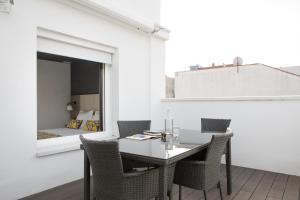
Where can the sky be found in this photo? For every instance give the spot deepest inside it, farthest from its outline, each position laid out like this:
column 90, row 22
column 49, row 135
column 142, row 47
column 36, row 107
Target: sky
column 215, row 31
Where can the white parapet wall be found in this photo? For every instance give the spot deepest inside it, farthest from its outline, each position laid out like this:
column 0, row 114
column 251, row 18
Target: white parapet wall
column 266, row 132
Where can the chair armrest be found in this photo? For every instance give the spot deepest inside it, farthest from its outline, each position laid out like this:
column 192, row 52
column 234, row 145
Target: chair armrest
column 194, row 162
column 133, row 174
column 138, row 173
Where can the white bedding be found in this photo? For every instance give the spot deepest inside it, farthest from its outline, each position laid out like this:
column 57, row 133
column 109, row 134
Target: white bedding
column 65, row 131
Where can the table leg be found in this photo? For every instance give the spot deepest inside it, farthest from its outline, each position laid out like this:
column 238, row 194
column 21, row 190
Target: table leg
column 163, row 182
column 228, row 167
column 87, row 176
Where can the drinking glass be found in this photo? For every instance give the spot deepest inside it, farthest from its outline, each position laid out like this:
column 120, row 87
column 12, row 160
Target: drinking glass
column 176, row 132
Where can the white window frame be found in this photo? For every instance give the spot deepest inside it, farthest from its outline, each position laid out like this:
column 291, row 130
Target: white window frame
column 110, row 111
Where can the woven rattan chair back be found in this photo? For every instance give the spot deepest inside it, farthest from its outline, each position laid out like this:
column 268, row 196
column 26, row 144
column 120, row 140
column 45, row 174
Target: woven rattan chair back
column 127, row 128
column 213, row 160
column 106, row 166
column 214, row 125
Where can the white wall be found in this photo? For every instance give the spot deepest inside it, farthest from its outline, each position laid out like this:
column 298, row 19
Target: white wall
column 292, row 69
column 246, row 80
column 21, row 172
column 149, row 10
column 266, row 133
column 53, row 94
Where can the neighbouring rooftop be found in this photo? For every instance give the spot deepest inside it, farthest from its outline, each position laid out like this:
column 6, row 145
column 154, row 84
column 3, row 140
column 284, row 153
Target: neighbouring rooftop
column 237, row 81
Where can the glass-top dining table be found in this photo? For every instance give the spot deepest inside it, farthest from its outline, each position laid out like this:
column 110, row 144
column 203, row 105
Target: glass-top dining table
column 163, row 154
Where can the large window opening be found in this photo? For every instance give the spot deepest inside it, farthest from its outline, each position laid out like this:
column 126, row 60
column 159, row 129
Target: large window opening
column 70, row 93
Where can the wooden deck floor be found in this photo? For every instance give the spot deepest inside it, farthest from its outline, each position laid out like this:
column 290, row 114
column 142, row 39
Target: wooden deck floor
column 248, row 184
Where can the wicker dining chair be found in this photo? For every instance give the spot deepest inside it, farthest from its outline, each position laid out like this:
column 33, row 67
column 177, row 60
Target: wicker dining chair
column 203, row 174
column 214, row 125
column 127, row 128
column 110, row 182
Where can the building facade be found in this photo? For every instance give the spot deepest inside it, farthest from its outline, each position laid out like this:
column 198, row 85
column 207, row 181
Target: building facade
column 236, row 81
column 121, row 32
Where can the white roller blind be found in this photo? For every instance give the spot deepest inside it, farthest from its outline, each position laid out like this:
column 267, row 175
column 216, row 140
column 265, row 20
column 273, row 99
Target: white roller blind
column 73, row 50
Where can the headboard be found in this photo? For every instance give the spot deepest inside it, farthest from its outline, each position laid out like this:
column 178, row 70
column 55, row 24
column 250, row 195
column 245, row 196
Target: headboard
column 85, row 102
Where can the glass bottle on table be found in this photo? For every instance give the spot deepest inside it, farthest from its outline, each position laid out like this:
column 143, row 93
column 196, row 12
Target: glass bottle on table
column 168, row 126
column 168, row 122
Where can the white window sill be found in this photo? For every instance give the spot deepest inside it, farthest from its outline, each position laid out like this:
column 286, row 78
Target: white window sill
column 237, row 98
column 65, row 144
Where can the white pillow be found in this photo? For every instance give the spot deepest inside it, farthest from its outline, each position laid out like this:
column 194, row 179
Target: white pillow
column 84, row 116
column 96, row 116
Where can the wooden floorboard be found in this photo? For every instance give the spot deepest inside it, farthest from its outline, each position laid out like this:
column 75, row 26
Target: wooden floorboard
column 263, row 187
column 278, row 187
column 292, row 188
column 214, row 193
column 240, row 182
column 249, row 187
column 248, row 184
column 237, row 172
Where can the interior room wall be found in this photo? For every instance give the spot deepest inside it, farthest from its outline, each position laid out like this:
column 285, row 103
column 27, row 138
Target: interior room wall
column 85, row 77
column 53, row 94
column 86, row 81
